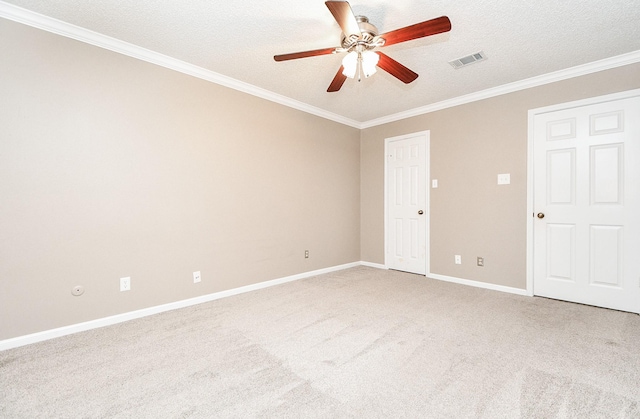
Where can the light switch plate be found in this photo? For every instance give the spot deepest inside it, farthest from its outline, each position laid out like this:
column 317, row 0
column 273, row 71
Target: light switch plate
column 504, row 179
column 197, row 277
column 434, row 183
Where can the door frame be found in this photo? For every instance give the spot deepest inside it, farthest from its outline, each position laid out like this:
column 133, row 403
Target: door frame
column 530, row 164
column 427, row 173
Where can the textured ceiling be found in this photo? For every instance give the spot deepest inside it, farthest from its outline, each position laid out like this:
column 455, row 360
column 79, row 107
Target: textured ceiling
column 522, row 39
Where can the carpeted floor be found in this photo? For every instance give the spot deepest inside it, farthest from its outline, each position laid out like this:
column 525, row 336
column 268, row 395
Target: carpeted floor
column 361, row 342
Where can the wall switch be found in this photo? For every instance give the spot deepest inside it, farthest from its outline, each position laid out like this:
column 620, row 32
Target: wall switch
column 196, row 277
column 480, row 261
column 125, row 283
column 434, row 183
column 504, row 179
column 458, row 260
column 306, row 254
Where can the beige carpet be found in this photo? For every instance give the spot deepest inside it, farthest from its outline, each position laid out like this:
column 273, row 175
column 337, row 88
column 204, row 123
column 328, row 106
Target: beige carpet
column 361, row 343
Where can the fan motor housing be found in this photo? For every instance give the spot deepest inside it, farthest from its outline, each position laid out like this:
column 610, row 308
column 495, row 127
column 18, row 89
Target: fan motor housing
column 369, row 32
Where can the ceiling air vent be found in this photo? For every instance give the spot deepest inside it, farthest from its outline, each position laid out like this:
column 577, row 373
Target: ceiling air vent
column 468, row 60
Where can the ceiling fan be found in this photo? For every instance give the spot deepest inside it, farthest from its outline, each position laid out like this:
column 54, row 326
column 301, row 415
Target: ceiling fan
column 360, row 38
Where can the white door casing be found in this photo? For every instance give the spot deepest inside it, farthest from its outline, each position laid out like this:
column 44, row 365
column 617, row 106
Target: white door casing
column 586, row 186
column 406, row 203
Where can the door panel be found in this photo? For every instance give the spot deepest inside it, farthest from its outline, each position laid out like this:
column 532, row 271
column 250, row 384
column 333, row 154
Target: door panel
column 561, row 176
column 561, row 245
column 606, row 255
column 587, row 204
column 607, row 176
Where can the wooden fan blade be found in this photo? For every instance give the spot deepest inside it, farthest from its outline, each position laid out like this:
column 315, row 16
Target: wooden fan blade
column 304, row 54
column 419, row 30
column 396, row 69
column 343, row 14
column 337, row 81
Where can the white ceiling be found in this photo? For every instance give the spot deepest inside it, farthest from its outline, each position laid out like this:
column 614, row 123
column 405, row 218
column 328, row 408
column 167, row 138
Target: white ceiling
column 522, row 39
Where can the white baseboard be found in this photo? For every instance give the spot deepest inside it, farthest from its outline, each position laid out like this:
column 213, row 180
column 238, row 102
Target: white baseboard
column 120, row 318
column 373, row 265
column 461, row 281
column 478, row 284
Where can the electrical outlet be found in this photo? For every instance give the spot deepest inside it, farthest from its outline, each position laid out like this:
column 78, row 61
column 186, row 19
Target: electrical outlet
column 196, row 277
column 504, row 179
column 458, row 260
column 480, row 261
column 306, row 254
column 125, row 283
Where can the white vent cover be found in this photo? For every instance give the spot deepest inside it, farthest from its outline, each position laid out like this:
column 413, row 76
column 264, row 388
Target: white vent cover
column 468, row 60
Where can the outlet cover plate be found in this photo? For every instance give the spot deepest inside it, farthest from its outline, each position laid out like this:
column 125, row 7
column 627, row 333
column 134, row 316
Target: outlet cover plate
column 504, row 179
column 125, row 283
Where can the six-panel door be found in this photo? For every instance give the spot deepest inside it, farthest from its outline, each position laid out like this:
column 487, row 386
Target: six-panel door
column 587, row 204
column 406, row 204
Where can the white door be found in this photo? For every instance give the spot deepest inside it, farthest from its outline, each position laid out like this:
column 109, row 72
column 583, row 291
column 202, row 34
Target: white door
column 406, row 203
column 587, row 204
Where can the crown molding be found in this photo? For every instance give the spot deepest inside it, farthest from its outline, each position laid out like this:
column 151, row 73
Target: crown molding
column 49, row 24
column 581, row 70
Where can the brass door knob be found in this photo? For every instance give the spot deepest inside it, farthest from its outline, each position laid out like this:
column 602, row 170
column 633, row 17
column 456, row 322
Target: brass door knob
column 540, row 215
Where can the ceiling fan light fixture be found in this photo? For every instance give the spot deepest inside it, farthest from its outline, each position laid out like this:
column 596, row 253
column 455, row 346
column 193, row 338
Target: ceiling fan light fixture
column 369, row 63
column 360, row 64
column 350, row 64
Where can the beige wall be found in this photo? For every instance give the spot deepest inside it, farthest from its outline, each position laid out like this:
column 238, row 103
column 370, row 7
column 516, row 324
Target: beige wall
column 470, row 145
column 112, row 167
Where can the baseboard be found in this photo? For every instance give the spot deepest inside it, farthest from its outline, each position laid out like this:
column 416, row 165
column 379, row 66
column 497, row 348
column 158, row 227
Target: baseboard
column 120, row 318
column 373, row 265
column 461, row 281
column 479, row 284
